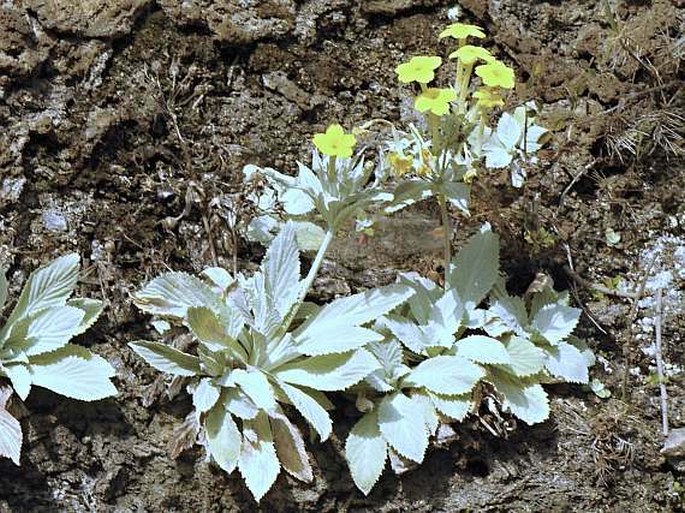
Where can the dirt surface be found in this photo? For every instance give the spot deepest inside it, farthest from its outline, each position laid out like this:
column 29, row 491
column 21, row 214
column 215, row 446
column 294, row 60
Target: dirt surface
column 119, row 116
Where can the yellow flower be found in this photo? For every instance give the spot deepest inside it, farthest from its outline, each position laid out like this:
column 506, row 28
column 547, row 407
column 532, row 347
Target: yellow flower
column 496, row 74
column 418, row 69
column 435, row 100
column 468, row 54
column 335, row 142
column 423, row 171
column 462, row 31
column 400, row 163
column 425, row 167
column 470, row 175
column 488, row 98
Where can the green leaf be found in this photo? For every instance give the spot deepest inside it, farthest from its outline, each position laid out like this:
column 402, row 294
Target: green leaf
column 408, row 192
column 51, row 329
column 240, row 405
column 279, row 351
column 366, row 452
column 323, row 333
column 257, row 387
column 528, row 402
column 10, row 430
column 308, row 235
column 526, row 358
column 482, row 349
column 167, row 359
column 309, row 408
column 389, row 355
column 258, row 462
column 47, row 287
column 75, row 372
column 206, row 326
column 407, row 332
column 92, row 309
column 290, row 448
column 448, row 312
column 402, row 427
column 446, row 375
column 281, row 268
column 341, row 339
column 453, row 406
column 223, row 438
column 426, row 293
column 477, row 265
column 20, row 377
column 171, row 294
column 568, row 363
column 507, row 314
column 329, row 372
column 458, row 195
column 205, row 395
column 556, row 322
column 424, row 406
column 219, row 277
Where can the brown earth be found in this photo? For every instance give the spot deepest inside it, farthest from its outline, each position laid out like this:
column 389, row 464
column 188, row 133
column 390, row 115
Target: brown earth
column 119, row 116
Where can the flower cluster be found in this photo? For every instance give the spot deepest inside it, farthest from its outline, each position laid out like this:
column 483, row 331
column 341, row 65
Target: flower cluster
column 494, row 75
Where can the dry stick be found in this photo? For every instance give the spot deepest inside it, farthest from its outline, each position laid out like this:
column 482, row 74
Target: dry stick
column 571, row 272
column 660, row 365
column 596, row 286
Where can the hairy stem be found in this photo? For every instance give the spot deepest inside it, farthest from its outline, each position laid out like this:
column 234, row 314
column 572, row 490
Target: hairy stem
column 447, row 236
column 309, row 279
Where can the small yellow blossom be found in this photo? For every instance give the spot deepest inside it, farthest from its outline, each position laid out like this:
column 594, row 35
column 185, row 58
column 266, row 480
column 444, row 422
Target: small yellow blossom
column 496, row 74
column 335, row 142
column 418, row 69
column 468, row 54
column 488, row 98
column 435, row 100
column 400, row 163
column 470, row 175
column 462, row 31
column 423, row 170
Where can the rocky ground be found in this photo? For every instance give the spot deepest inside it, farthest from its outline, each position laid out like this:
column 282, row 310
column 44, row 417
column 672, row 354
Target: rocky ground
column 123, row 123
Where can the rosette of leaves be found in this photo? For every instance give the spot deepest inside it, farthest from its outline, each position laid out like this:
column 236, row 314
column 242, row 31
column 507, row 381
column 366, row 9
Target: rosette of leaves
column 35, row 349
column 248, row 362
column 443, row 343
column 337, row 189
column 516, row 139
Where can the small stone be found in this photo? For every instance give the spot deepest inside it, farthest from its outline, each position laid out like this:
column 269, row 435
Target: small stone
column 674, row 445
column 54, row 221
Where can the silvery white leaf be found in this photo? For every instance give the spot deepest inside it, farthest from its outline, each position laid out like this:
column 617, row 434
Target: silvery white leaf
column 281, row 269
column 10, row 430
column 366, row 452
column 47, row 287
column 290, row 447
column 258, row 462
column 223, row 438
column 476, row 268
column 402, row 427
column 329, row 372
column 167, row 359
column 75, row 372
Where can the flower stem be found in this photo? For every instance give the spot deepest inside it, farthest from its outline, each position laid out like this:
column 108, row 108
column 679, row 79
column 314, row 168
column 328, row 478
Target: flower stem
column 447, row 236
column 309, row 279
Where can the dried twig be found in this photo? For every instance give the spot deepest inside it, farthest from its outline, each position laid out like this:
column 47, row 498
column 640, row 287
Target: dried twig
column 660, row 364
